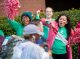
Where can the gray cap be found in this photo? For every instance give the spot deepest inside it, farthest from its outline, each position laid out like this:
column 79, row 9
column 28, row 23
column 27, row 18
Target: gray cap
column 32, row 29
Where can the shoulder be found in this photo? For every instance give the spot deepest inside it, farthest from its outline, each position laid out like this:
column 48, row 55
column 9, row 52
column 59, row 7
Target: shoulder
column 54, row 23
column 43, row 19
column 53, row 19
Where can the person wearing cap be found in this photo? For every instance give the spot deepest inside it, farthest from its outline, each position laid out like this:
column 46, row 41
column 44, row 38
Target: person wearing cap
column 27, row 48
column 26, row 18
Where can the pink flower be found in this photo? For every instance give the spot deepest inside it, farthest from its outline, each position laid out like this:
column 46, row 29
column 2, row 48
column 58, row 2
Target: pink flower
column 11, row 8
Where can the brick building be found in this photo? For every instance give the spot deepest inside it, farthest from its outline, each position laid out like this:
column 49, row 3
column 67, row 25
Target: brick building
column 26, row 5
column 33, row 5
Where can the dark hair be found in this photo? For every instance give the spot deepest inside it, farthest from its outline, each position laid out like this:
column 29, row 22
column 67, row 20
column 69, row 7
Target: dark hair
column 26, row 37
column 68, row 25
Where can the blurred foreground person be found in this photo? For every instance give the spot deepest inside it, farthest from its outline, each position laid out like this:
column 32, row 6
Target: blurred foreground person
column 26, row 48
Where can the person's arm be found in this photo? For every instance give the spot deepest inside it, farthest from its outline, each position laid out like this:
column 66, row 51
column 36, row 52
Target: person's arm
column 37, row 14
column 52, row 24
column 14, row 24
column 1, row 33
column 44, row 22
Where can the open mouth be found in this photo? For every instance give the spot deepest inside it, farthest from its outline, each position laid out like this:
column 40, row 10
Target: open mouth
column 61, row 23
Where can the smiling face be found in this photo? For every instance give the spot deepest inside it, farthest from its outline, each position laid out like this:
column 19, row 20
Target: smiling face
column 49, row 12
column 62, row 21
column 25, row 20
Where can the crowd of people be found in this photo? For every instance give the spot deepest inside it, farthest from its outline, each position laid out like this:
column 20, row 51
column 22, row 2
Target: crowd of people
column 42, row 38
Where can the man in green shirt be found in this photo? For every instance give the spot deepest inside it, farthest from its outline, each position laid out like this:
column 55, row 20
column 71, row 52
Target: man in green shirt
column 26, row 18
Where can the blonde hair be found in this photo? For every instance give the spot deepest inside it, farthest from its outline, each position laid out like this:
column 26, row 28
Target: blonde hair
column 50, row 8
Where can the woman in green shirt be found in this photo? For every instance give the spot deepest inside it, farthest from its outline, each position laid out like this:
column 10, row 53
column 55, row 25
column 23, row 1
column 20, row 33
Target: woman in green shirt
column 61, row 39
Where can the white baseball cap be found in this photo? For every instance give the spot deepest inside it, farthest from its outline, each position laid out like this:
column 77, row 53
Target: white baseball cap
column 31, row 29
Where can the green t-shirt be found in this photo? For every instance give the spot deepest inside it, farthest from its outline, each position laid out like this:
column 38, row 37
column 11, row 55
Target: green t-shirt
column 17, row 27
column 59, row 47
column 1, row 33
column 45, row 30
